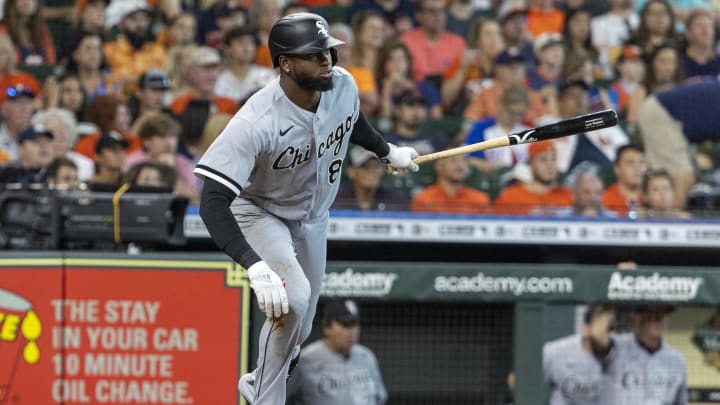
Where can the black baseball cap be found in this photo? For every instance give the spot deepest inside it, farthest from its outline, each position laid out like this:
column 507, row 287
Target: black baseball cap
column 569, row 84
column 654, row 307
column 154, row 79
column 344, row 311
column 410, row 98
column 508, row 57
column 110, row 142
column 34, row 133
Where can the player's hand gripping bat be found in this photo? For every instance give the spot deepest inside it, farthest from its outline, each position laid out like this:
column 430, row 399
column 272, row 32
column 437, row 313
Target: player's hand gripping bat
column 570, row 126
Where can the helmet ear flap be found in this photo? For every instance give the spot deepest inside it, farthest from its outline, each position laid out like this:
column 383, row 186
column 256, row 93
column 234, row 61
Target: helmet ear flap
column 333, row 56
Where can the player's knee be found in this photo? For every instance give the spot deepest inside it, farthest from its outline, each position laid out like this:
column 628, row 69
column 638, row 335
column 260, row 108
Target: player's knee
column 299, row 297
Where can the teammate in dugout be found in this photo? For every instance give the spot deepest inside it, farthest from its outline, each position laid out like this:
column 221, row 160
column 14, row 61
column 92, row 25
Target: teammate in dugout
column 270, row 179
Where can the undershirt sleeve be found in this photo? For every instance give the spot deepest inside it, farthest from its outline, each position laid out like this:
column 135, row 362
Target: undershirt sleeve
column 365, row 135
column 215, row 212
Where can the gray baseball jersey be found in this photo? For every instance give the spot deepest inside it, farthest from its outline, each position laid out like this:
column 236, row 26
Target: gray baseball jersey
column 575, row 376
column 285, row 159
column 325, row 377
column 638, row 377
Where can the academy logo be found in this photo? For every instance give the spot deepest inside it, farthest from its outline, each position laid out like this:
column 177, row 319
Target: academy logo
column 352, row 284
column 654, row 287
column 517, row 286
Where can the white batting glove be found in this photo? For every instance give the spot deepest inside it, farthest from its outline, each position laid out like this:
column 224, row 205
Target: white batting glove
column 269, row 290
column 401, row 158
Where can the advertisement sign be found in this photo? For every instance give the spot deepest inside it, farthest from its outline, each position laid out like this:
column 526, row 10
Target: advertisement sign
column 121, row 332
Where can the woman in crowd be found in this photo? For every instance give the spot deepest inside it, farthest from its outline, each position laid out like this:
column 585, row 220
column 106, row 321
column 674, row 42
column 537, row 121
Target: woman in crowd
column 29, row 32
column 87, row 62
column 9, row 75
column 577, row 36
column 663, row 69
column 369, row 35
column 657, row 26
column 112, row 118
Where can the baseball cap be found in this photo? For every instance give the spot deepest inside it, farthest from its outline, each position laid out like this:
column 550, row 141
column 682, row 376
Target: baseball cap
column 359, row 155
column 629, row 52
column 654, row 307
column 33, row 133
column 510, row 12
column 537, row 148
column 344, row 311
column 545, row 40
column 569, row 84
column 119, row 10
column 110, row 142
column 16, row 91
column 508, row 57
column 154, row 79
column 410, row 97
column 205, row 56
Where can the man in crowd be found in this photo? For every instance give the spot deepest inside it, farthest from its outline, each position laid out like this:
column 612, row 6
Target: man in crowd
column 409, row 116
column 16, row 106
column 625, row 195
column 34, row 156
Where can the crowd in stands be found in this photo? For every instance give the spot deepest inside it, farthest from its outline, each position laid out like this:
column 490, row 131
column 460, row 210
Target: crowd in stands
column 95, row 94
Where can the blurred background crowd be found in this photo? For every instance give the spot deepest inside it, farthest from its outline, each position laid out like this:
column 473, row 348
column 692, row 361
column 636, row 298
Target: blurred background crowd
column 95, row 94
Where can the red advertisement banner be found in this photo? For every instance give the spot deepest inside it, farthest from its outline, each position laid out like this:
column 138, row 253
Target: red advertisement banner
column 130, row 334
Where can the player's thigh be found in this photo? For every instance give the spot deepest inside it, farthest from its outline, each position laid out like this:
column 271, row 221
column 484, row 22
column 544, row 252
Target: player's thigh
column 310, row 241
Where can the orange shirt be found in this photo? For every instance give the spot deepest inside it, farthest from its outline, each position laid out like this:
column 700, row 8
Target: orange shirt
column 86, row 144
column 262, row 56
column 539, row 21
column 486, row 103
column 364, row 79
column 222, row 104
column 518, row 200
column 435, row 199
column 430, row 59
column 127, row 63
column 614, row 200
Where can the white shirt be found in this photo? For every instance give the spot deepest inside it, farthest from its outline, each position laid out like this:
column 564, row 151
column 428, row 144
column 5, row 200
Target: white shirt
column 85, row 165
column 8, row 143
column 230, row 86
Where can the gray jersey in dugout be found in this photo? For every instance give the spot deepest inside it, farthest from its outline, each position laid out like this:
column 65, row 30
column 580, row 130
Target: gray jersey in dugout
column 324, row 377
column 285, row 159
column 638, row 377
column 575, row 376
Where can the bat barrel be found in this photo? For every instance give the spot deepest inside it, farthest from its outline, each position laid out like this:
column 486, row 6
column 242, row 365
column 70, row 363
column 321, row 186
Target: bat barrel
column 570, row 126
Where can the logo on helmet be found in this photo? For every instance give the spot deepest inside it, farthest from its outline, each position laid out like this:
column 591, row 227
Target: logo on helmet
column 322, row 29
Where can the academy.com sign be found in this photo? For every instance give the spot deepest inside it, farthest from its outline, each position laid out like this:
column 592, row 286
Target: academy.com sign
column 480, row 283
column 355, row 284
column 623, row 286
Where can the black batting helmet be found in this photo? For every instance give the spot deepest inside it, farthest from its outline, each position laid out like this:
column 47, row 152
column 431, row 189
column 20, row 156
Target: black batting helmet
column 301, row 34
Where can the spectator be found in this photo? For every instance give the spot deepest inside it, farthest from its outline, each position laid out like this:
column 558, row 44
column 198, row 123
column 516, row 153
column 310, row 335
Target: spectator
column 409, row 116
column 150, row 176
column 149, row 98
column 681, row 9
column 578, row 36
column 9, row 75
column 264, row 14
column 364, row 78
column 399, row 14
column 62, row 124
column 109, row 159
column 512, row 26
column 641, row 367
column 34, row 156
column 159, row 134
column 365, row 190
column 368, row 30
column 134, row 51
column 542, row 192
column 509, row 72
column 181, row 30
column 671, row 121
column 112, row 117
column 625, row 194
column 31, row 36
column 432, row 47
column 657, row 26
column 543, row 17
column 395, row 77
column 471, row 70
column 16, row 111
column 587, row 189
column 64, row 91
column 628, row 86
column 213, row 127
column 581, row 68
column 62, row 174
column 573, row 365
column 178, row 65
column 550, row 55
column 700, row 58
column 597, row 146
column 613, row 29
column 220, row 17
column 86, row 61
column 91, row 19
column 337, row 369
column 241, row 77
column 657, row 197
column 663, row 70
column 460, row 16
column 292, row 8
column 450, row 194
column 514, row 104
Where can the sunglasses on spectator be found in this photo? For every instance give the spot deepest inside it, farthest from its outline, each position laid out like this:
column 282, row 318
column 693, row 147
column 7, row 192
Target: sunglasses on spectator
column 19, row 90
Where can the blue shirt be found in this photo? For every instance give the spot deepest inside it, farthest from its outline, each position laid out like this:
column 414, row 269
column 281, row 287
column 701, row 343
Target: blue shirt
column 696, row 107
column 477, row 134
column 691, row 68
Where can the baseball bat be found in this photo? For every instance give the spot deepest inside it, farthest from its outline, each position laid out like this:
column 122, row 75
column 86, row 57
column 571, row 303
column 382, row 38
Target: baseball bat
column 570, row 126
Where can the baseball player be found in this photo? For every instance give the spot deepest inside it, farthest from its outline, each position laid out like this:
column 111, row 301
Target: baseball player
column 270, row 178
column 642, row 369
column 573, row 365
column 337, row 369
